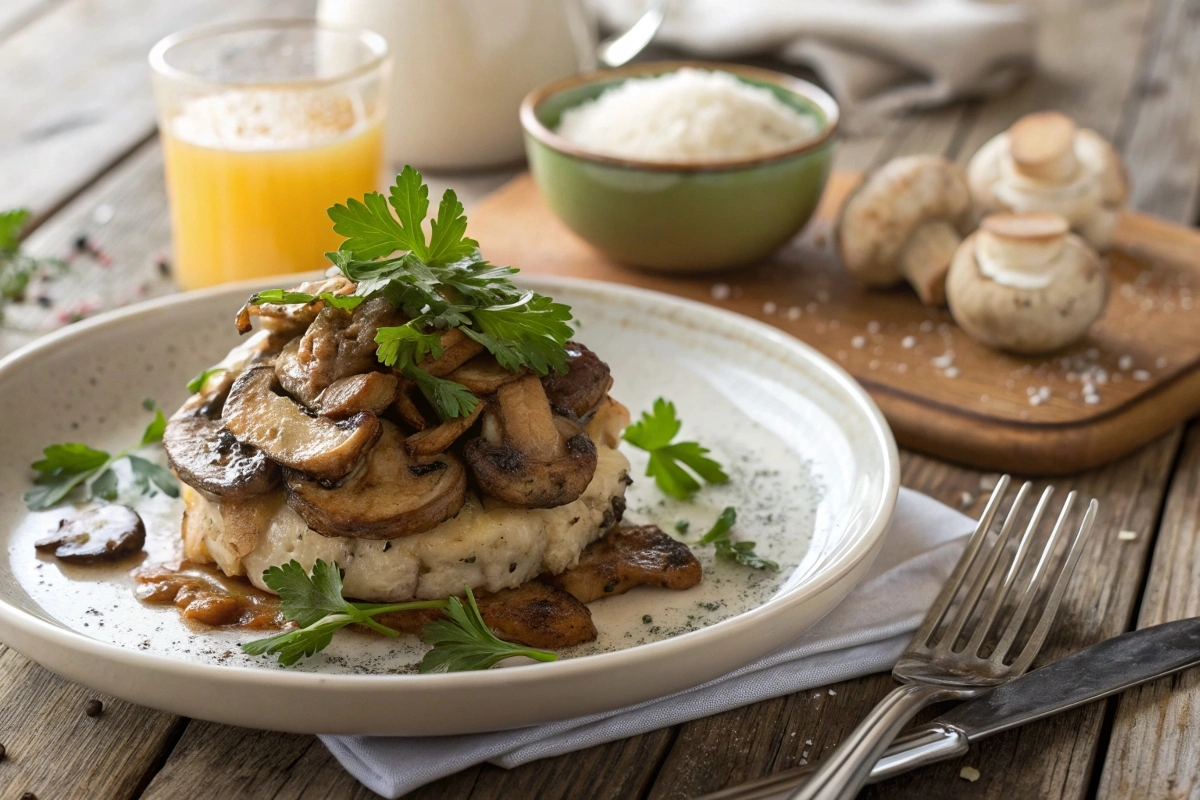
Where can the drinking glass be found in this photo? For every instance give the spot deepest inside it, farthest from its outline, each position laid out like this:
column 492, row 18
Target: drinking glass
column 265, row 125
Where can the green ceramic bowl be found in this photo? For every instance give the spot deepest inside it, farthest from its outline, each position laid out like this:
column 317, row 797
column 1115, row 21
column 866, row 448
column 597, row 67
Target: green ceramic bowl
column 691, row 217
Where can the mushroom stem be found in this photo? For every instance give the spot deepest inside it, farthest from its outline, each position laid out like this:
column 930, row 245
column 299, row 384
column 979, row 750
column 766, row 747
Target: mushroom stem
column 926, row 257
column 1043, row 147
column 527, row 419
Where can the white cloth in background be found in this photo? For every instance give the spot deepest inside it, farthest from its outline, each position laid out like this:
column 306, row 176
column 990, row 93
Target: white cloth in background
column 879, row 55
column 865, row 633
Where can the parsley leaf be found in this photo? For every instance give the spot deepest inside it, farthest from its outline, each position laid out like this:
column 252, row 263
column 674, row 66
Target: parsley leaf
column 741, row 552
column 197, row 383
column 17, row 268
column 653, row 433
column 65, row 467
column 347, row 302
column 315, row 603
column 440, row 283
column 464, row 642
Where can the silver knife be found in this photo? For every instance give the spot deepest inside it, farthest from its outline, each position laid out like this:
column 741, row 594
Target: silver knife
column 1092, row 673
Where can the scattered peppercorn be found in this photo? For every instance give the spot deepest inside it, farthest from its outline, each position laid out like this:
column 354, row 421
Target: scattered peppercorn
column 164, row 267
column 647, row 619
column 93, row 708
column 28, row 796
column 2, row 752
column 82, row 243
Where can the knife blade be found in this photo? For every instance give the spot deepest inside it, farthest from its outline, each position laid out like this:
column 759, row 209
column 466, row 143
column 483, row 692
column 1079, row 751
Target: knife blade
column 1095, row 672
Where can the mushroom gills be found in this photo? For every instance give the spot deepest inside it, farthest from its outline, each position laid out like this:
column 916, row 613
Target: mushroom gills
column 389, row 495
column 277, row 426
column 527, row 455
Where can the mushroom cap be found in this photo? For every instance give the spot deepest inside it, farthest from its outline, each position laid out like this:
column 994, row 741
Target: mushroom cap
column 890, row 204
column 389, row 495
column 1023, row 283
column 1043, row 163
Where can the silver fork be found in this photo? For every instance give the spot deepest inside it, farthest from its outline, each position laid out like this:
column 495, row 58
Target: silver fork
column 931, row 669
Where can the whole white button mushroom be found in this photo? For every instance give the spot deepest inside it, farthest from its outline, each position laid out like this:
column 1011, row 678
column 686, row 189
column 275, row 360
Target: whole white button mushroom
column 904, row 222
column 1026, row 284
column 1045, row 163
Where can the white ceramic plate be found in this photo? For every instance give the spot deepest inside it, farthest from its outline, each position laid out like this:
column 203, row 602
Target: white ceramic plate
column 814, row 477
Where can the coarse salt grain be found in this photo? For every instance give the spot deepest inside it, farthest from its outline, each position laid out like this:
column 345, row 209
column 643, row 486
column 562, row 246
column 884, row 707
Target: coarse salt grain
column 908, row 342
column 858, row 342
column 769, row 308
column 720, row 291
column 1125, row 362
column 969, row 774
column 1127, row 536
column 687, row 115
column 1141, row 375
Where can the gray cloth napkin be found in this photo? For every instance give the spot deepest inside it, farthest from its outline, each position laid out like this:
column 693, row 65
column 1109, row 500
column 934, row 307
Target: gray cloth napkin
column 877, row 55
column 865, row 633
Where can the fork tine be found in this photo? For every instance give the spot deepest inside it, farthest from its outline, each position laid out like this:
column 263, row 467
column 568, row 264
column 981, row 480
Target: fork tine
column 1050, row 608
column 1024, row 544
column 1035, row 582
column 946, row 643
column 941, row 604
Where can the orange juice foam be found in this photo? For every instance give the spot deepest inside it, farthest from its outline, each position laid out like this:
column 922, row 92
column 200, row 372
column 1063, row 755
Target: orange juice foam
column 250, row 174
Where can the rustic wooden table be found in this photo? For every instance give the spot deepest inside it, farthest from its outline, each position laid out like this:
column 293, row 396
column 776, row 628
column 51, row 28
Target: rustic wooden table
column 78, row 146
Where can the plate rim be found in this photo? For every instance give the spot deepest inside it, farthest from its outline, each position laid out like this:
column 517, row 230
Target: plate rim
column 566, row 669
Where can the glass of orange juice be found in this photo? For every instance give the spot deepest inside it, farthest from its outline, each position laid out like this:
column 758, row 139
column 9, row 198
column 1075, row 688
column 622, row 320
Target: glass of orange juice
column 265, row 125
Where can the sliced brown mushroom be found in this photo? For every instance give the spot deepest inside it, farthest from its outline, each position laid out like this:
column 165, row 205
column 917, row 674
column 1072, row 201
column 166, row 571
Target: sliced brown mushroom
column 389, row 495
column 629, row 557
column 432, row 441
column 107, row 533
column 277, row 426
column 528, row 456
column 372, row 392
column 581, row 388
column 206, row 455
column 483, row 375
column 406, row 407
column 292, row 318
column 533, row 614
column 457, row 349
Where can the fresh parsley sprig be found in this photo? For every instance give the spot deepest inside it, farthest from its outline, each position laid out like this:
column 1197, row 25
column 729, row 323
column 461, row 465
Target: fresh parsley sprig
column 439, row 284
column 197, row 383
column 315, row 603
column 741, row 552
column 64, row 467
column 17, row 268
column 347, row 302
column 653, row 433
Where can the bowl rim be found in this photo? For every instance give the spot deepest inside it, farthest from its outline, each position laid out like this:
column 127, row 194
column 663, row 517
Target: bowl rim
column 535, row 128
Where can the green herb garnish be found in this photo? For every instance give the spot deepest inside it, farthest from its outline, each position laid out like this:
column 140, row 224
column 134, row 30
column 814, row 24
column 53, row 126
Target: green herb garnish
column 197, row 383
column 439, row 284
column 315, row 603
column 17, row 268
column 653, row 433
column 741, row 552
column 67, row 466
column 346, row 302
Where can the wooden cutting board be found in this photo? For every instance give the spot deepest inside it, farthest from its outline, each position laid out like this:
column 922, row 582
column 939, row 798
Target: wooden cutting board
column 942, row 393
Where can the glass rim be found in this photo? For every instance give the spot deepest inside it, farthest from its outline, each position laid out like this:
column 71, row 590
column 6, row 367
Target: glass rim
column 375, row 42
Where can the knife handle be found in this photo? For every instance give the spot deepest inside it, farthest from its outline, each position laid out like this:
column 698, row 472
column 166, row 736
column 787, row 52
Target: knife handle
column 925, row 745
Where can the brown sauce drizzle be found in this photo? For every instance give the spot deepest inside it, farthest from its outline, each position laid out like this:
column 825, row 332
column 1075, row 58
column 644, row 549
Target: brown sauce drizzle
column 204, row 595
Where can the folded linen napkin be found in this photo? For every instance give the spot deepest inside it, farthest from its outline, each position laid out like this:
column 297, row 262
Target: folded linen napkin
column 865, row 633
column 875, row 54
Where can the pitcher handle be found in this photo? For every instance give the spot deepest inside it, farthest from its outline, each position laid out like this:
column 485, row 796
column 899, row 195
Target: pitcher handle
column 621, row 49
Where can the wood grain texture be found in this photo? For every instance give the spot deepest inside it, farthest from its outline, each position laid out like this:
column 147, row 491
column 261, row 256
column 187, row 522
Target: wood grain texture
column 53, row 749
column 77, row 89
column 1155, row 744
column 1055, row 756
column 942, row 393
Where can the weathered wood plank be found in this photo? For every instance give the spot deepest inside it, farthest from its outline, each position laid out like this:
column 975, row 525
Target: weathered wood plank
column 1155, row 742
column 1161, row 134
column 1054, row 756
column 53, row 749
column 77, row 89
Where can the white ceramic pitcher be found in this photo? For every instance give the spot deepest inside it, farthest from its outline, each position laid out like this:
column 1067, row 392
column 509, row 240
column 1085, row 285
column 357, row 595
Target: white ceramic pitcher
column 461, row 68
